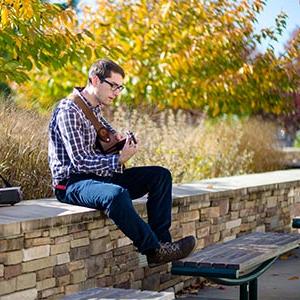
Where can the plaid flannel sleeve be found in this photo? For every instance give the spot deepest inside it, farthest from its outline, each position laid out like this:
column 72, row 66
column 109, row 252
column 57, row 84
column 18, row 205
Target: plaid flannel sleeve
column 82, row 157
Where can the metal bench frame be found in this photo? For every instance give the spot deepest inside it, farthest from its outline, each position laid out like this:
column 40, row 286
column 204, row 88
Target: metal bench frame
column 230, row 277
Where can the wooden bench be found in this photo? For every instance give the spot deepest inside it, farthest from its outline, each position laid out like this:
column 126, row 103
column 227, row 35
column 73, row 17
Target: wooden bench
column 238, row 262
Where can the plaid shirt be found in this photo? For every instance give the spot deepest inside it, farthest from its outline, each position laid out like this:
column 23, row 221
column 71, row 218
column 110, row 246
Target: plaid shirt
column 71, row 147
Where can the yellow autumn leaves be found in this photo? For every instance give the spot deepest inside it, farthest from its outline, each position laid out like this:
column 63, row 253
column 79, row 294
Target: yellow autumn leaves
column 194, row 55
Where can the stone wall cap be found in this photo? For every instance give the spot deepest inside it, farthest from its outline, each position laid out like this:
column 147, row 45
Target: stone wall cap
column 34, row 214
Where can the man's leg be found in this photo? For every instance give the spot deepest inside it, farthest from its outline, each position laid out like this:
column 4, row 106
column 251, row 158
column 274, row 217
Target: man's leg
column 157, row 182
column 117, row 203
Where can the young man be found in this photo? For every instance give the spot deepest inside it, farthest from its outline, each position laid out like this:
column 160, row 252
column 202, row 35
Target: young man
column 84, row 176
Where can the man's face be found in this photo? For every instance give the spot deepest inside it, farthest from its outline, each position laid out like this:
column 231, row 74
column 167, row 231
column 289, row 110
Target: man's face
column 109, row 89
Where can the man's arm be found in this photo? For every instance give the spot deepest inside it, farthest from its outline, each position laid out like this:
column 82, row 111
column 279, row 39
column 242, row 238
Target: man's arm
column 82, row 158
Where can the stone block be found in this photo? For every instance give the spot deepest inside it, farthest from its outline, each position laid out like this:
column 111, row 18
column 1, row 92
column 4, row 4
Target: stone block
column 51, row 292
column 60, row 248
column 188, row 228
column 123, row 242
column 46, row 284
column 45, row 233
column 272, row 202
column 38, row 264
column 75, row 265
column 78, row 276
column 72, row 288
column 80, row 252
column 95, row 224
column 121, row 251
column 26, row 281
column 190, row 216
column 8, row 286
column 122, row 277
column 200, row 243
column 229, row 238
column 12, row 271
column 61, row 270
column 10, row 229
column 38, row 242
column 210, row 212
column 235, row 206
column 77, row 227
column 44, row 274
column 36, row 252
column 138, row 274
column 11, row 257
column 151, row 282
column 116, row 234
column 99, row 245
column 202, row 232
column 63, row 280
column 250, row 204
column 58, row 231
column 200, row 204
column 137, row 285
column 100, row 232
column 11, row 244
column 33, row 234
column 80, row 242
column 63, row 258
column 94, row 266
column 80, row 234
column 261, row 228
column 63, row 239
column 223, row 204
column 24, row 295
column 1, row 270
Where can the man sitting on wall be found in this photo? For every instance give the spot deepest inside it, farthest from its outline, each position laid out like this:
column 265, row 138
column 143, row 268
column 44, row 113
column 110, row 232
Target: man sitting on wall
column 83, row 175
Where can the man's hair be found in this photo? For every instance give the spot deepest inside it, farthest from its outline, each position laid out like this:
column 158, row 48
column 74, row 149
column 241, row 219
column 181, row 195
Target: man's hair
column 103, row 68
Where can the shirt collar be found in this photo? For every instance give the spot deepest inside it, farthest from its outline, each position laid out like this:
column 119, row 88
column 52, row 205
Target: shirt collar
column 77, row 91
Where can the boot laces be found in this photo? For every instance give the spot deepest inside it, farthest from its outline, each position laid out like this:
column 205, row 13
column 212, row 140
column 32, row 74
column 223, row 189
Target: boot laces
column 169, row 248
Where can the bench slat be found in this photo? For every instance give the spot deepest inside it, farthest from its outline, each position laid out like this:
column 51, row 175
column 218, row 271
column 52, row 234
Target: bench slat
column 242, row 253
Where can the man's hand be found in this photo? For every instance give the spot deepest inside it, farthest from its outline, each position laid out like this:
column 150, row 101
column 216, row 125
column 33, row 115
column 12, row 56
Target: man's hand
column 119, row 136
column 128, row 151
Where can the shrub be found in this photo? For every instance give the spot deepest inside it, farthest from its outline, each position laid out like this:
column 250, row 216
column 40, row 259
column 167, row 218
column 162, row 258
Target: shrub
column 191, row 150
column 23, row 155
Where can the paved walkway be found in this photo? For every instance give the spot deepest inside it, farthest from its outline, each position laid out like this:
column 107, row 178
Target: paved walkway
column 280, row 282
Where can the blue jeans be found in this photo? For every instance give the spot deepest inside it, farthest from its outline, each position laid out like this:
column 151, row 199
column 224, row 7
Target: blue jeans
column 114, row 195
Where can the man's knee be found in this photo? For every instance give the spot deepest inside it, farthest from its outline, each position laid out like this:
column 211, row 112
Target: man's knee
column 164, row 173
column 120, row 199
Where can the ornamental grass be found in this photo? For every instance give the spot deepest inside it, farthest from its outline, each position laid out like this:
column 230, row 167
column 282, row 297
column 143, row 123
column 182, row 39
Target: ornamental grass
column 192, row 149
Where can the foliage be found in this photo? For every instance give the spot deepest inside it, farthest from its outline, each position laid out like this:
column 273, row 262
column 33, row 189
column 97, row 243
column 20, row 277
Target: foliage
column 291, row 120
column 23, row 155
column 192, row 55
column 223, row 148
column 34, row 34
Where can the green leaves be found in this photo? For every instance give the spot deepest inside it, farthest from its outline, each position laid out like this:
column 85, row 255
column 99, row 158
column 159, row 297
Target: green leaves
column 193, row 55
column 36, row 33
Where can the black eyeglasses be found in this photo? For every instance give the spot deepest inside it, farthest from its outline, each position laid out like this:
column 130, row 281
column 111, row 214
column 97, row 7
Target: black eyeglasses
column 114, row 87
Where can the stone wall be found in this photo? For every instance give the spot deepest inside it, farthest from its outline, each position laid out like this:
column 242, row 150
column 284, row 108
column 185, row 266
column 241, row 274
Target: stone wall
column 48, row 249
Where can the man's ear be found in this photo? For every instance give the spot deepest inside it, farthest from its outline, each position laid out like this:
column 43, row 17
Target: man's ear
column 95, row 80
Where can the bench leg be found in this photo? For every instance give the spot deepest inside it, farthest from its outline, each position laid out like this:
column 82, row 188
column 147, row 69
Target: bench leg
column 253, row 289
column 244, row 294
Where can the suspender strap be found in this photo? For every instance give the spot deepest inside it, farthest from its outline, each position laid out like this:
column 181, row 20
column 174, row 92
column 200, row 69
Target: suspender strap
column 101, row 130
